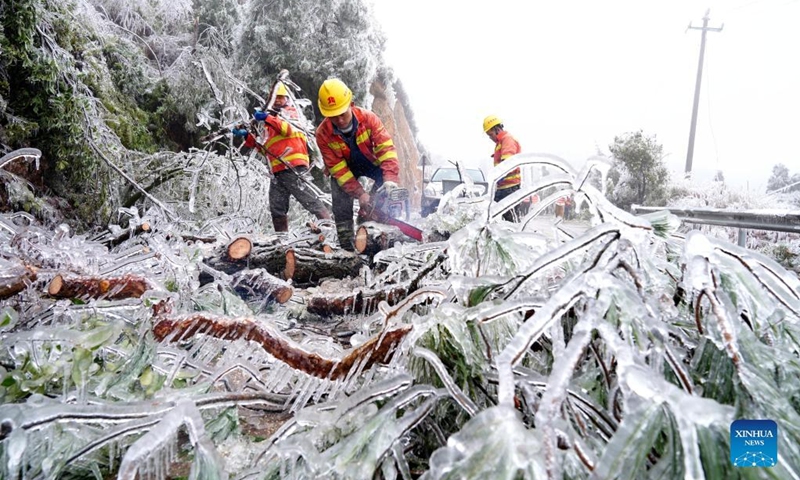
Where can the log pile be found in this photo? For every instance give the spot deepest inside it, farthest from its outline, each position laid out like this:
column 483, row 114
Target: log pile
column 304, row 263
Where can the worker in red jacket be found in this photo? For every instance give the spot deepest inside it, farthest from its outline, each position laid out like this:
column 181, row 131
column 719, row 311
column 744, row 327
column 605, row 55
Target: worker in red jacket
column 505, row 147
column 353, row 143
column 286, row 151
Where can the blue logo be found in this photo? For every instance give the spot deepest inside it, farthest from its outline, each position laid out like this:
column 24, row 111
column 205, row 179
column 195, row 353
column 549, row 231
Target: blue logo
column 754, row 443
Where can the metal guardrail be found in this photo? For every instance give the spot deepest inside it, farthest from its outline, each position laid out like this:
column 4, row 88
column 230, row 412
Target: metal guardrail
column 743, row 220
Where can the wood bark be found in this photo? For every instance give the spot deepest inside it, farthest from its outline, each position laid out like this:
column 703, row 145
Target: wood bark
column 111, row 288
column 378, row 349
column 362, row 301
column 372, row 237
column 306, row 266
column 15, row 279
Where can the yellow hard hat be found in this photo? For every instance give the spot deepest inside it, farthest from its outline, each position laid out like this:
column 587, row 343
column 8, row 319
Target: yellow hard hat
column 490, row 122
column 334, row 97
column 282, row 90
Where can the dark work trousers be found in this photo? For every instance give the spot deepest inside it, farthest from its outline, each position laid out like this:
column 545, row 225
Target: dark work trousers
column 285, row 184
column 343, row 203
column 513, row 214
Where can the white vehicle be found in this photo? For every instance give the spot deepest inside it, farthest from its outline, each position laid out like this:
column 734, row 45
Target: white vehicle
column 445, row 179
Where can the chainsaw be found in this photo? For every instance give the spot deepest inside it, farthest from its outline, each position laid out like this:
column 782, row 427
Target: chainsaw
column 386, row 207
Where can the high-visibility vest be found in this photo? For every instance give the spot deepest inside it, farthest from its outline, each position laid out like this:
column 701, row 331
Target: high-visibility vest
column 373, row 142
column 282, row 141
column 505, row 147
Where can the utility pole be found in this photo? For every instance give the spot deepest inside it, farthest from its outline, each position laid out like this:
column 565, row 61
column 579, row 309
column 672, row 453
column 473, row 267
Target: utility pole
column 705, row 28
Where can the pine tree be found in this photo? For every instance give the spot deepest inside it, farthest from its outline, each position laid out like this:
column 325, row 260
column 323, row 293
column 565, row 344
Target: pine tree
column 639, row 175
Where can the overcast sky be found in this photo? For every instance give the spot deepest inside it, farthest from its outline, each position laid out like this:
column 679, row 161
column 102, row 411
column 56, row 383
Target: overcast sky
column 567, row 76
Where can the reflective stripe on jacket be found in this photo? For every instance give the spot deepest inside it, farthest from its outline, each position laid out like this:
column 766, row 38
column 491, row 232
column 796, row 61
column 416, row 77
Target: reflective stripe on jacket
column 505, row 147
column 280, row 137
column 373, row 142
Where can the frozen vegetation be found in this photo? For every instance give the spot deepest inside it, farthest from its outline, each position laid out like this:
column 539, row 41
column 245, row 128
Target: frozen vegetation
column 623, row 352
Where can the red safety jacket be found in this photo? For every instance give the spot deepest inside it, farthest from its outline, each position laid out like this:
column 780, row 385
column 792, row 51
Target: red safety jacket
column 505, row 147
column 374, row 143
column 280, row 136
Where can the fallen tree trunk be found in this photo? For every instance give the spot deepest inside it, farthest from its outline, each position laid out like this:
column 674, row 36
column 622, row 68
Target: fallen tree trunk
column 307, row 266
column 15, row 278
column 111, row 288
column 378, row 349
column 363, row 302
column 373, row 237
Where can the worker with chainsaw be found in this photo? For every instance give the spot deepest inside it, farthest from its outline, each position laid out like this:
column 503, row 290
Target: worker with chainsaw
column 505, row 147
column 354, row 143
column 286, row 151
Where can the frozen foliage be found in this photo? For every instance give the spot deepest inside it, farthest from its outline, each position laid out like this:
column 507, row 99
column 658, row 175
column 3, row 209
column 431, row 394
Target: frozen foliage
column 622, row 351
column 784, row 247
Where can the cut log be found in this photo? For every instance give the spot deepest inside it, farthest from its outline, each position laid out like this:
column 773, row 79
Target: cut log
column 239, row 248
column 372, row 237
column 378, row 349
column 271, row 258
column 258, row 283
column 307, row 266
column 15, row 278
column 112, row 288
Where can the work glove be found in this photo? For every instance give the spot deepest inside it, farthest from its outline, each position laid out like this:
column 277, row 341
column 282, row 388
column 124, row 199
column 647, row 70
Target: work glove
column 260, row 116
column 366, row 206
column 365, row 203
column 239, row 132
column 388, row 188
